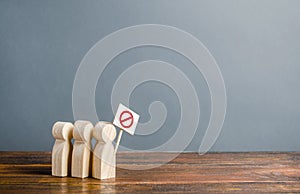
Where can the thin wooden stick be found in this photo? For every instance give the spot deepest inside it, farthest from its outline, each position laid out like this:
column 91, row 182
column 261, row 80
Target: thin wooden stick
column 119, row 139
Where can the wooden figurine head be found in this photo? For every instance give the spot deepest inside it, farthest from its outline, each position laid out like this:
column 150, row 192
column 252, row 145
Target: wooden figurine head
column 104, row 132
column 83, row 131
column 62, row 130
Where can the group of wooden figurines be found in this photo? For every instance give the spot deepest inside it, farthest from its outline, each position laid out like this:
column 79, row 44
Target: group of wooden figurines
column 80, row 159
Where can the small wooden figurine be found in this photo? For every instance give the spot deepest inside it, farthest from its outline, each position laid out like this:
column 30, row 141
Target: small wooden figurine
column 82, row 135
column 104, row 156
column 62, row 149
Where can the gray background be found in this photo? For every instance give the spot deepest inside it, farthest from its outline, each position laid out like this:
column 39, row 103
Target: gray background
column 256, row 44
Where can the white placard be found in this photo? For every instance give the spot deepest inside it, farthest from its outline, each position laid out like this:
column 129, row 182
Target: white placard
column 126, row 119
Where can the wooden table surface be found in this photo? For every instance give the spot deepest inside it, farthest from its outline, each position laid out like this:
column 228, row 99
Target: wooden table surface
column 30, row 172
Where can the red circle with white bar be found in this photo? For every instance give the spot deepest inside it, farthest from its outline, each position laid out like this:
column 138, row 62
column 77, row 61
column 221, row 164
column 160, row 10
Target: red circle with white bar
column 126, row 116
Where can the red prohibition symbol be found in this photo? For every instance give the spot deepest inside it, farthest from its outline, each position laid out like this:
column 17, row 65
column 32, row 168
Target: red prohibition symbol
column 126, row 116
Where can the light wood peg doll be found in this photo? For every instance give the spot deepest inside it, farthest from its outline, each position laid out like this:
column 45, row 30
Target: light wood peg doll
column 62, row 149
column 82, row 135
column 104, row 156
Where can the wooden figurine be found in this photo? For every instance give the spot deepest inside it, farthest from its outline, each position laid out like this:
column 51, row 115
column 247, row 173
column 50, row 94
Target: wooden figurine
column 104, row 156
column 82, row 135
column 62, row 149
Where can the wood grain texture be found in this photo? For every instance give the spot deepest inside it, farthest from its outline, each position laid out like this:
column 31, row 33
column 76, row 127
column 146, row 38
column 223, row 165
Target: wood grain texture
column 188, row 173
column 62, row 148
column 81, row 156
column 104, row 156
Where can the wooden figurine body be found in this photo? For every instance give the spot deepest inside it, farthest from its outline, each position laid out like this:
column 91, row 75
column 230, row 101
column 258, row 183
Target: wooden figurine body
column 62, row 149
column 82, row 135
column 104, row 156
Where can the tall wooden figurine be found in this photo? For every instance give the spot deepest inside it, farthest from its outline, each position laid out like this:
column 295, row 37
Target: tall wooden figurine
column 82, row 135
column 104, row 156
column 62, row 149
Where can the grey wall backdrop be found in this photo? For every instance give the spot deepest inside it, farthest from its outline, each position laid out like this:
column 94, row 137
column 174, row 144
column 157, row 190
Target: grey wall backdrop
column 256, row 44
